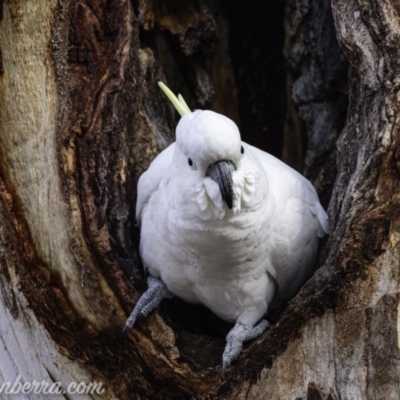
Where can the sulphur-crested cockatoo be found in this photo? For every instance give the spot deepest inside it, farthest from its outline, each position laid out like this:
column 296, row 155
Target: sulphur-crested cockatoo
column 224, row 224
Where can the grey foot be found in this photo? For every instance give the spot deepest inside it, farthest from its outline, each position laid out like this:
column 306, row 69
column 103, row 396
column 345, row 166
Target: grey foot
column 236, row 337
column 150, row 299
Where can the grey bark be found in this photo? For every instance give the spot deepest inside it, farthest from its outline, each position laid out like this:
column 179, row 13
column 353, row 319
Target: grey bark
column 317, row 92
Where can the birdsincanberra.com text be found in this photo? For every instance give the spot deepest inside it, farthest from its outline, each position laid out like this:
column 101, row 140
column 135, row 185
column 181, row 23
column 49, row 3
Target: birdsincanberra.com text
column 43, row 387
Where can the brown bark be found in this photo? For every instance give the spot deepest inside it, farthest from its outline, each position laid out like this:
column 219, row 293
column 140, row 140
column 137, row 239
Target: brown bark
column 81, row 118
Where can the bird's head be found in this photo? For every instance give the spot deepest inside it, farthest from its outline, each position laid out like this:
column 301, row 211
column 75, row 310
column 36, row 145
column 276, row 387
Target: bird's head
column 209, row 146
column 212, row 145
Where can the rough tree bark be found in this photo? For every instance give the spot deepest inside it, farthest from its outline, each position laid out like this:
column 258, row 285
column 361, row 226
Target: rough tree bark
column 317, row 93
column 80, row 119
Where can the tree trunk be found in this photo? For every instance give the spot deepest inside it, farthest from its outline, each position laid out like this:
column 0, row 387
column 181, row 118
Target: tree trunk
column 81, row 118
column 318, row 95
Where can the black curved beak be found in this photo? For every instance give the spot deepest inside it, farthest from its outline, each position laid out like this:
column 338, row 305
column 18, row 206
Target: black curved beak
column 221, row 173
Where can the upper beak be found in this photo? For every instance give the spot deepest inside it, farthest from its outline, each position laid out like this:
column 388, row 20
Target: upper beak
column 221, row 172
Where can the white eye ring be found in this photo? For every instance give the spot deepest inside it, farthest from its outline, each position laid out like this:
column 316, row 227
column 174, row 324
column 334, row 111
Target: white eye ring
column 192, row 165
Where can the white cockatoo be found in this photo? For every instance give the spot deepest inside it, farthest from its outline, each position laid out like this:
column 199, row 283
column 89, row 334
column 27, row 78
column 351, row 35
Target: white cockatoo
column 224, row 224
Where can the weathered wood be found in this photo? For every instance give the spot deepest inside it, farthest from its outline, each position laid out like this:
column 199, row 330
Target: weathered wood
column 317, row 93
column 81, row 118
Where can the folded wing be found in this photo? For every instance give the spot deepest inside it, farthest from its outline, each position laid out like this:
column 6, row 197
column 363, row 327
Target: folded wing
column 150, row 180
column 298, row 222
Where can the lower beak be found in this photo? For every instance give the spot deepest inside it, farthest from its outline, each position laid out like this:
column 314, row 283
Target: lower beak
column 221, row 173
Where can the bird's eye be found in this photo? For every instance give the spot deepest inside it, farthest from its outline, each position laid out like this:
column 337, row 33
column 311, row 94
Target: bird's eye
column 192, row 164
column 242, row 150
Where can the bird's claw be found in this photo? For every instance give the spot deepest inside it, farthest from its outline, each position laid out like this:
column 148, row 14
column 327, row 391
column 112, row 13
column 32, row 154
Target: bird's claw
column 150, row 299
column 236, row 337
